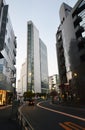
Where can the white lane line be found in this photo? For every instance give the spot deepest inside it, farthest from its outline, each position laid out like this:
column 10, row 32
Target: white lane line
column 63, row 113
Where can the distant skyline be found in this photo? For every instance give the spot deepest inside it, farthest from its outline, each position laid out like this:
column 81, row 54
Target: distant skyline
column 45, row 16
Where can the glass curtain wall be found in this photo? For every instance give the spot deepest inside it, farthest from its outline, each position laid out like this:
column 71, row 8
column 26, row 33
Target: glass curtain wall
column 30, row 60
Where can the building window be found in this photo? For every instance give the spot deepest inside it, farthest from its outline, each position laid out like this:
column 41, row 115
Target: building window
column 7, row 20
column 5, row 63
column 82, row 58
column 6, row 32
column 9, row 40
column 7, row 49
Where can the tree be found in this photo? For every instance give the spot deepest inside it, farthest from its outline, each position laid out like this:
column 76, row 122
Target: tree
column 53, row 93
column 28, row 94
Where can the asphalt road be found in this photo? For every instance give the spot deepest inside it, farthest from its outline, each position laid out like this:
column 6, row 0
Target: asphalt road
column 46, row 116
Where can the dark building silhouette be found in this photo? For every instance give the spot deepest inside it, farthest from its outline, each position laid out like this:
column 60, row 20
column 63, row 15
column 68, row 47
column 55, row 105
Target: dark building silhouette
column 70, row 46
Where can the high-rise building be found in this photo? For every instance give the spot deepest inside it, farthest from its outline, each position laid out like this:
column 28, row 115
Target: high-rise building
column 7, row 56
column 37, row 74
column 43, row 67
column 70, row 44
column 21, row 84
column 54, row 83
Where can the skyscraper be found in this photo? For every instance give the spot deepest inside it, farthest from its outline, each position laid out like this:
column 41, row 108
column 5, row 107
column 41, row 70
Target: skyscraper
column 43, row 67
column 34, row 58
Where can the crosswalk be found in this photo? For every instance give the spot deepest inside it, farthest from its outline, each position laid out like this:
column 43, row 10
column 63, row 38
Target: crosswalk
column 71, row 126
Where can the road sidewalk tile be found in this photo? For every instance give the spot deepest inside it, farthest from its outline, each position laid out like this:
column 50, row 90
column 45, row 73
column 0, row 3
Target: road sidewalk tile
column 7, row 120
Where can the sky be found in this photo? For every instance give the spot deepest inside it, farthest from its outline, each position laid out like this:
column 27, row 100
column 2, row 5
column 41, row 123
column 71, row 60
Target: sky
column 45, row 16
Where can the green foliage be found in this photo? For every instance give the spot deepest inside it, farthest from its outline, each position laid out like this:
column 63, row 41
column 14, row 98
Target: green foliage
column 53, row 93
column 40, row 94
column 28, row 94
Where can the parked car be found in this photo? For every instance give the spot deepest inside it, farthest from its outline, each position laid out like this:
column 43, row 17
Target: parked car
column 31, row 102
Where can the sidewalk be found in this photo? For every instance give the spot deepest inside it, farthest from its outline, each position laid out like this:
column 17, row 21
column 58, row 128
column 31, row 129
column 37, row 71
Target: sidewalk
column 7, row 120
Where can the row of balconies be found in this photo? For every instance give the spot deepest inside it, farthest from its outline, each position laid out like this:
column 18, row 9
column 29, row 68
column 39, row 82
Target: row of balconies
column 79, row 29
column 79, row 9
column 81, row 43
column 77, row 18
column 81, row 47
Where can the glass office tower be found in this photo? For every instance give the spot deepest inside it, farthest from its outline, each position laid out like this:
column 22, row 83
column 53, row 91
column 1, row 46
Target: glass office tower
column 34, row 60
column 43, row 67
column 7, row 56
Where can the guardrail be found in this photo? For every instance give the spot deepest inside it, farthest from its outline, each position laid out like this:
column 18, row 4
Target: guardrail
column 23, row 122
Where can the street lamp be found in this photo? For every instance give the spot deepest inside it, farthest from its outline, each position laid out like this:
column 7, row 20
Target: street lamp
column 75, row 75
column 76, row 84
column 30, row 74
column 30, row 80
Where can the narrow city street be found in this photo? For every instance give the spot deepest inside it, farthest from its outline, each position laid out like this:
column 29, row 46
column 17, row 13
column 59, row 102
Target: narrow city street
column 48, row 116
column 42, row 65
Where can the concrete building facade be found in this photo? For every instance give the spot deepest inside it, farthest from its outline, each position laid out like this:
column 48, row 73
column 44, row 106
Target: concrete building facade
column 70, row 45
column 54, row 83
column 21, row 84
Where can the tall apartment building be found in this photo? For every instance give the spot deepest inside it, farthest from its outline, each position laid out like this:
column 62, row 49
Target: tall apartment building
column 37, row 74
column 54, row 83
column 70, row 45
column 7, row 56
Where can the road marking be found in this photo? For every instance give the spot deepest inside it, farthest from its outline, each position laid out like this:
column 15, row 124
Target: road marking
column 64, row 126
column 3, row 107
column 71, row 126
column 63, row 113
